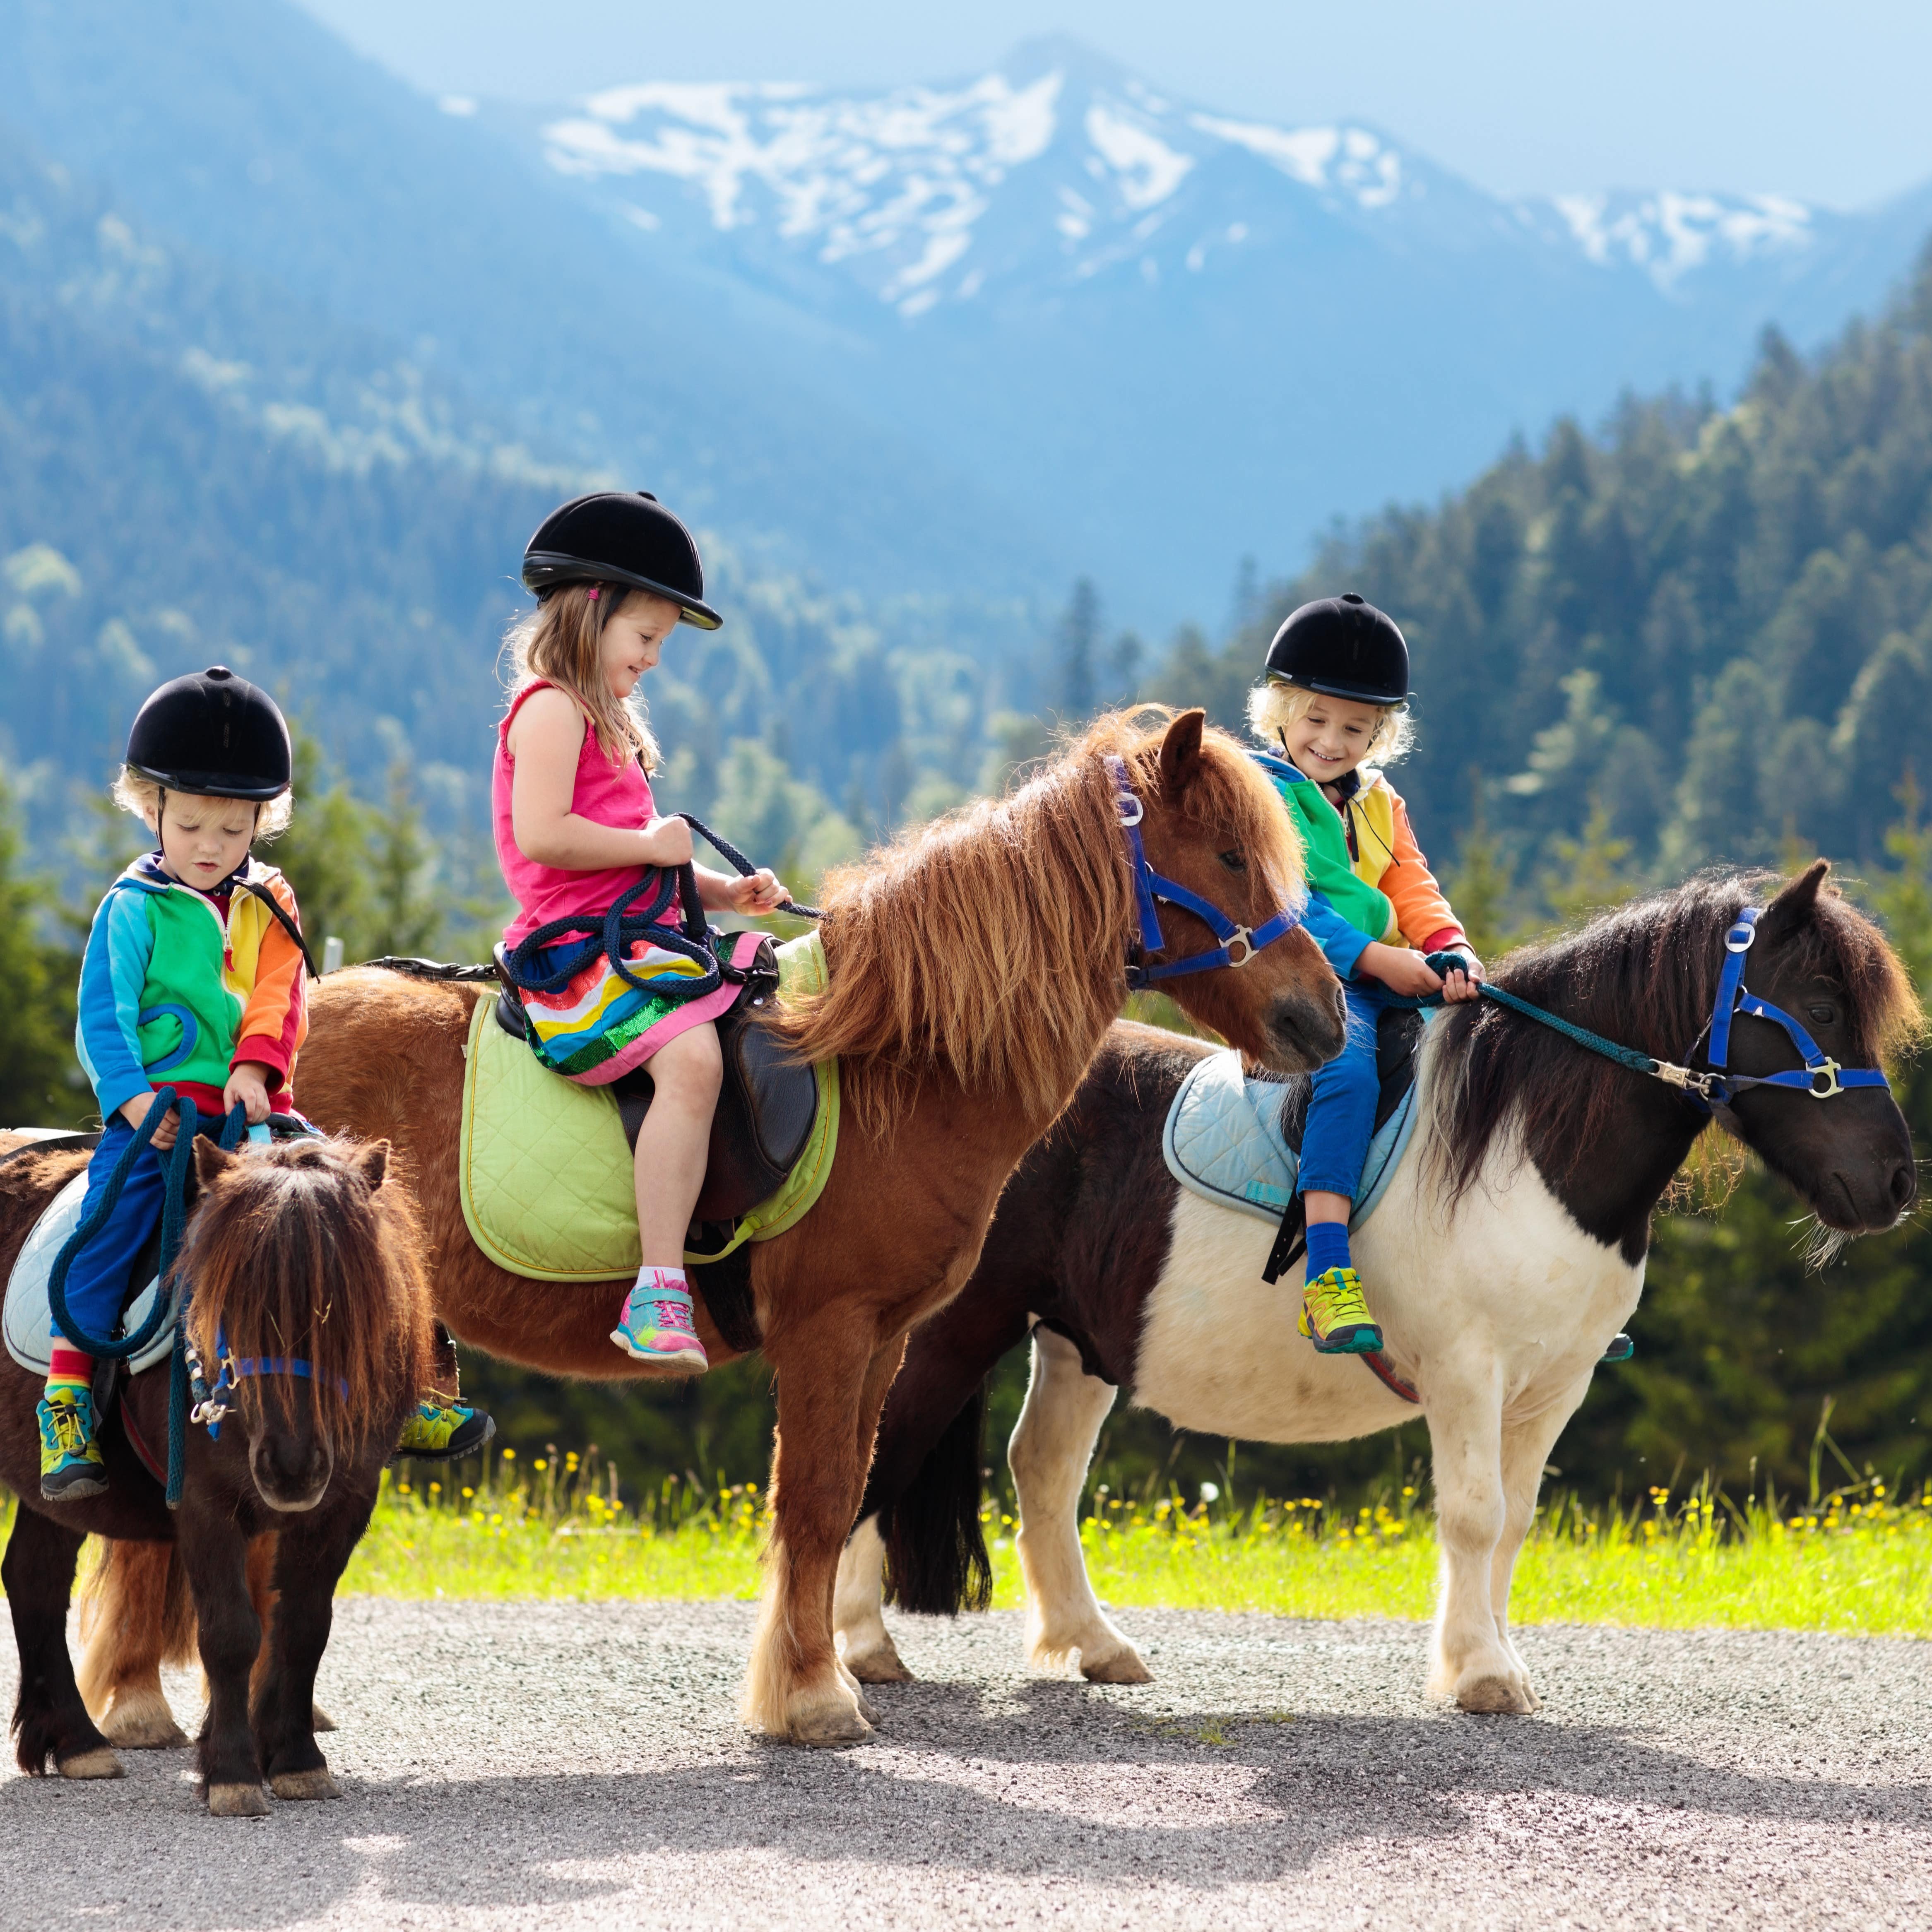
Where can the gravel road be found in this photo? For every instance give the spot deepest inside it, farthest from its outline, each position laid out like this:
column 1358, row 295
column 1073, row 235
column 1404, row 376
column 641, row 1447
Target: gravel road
column 508, row 1765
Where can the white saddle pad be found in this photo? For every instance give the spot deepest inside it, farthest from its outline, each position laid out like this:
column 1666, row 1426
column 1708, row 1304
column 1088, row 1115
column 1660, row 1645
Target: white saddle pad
column 28, row 1322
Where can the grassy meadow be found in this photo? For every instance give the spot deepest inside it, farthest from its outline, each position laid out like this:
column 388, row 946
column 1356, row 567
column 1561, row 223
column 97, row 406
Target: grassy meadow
column 1858, row 1559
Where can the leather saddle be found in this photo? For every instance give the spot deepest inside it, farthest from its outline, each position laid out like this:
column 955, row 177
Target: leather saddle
column 767, row 1104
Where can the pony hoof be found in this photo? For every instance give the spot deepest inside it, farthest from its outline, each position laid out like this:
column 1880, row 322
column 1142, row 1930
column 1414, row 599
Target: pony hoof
column 1122, row 1667
column 831, row 1730
column 291, row 1784
column 99, row 1762
column 1494, row 1696
column 318, row 1720
column 237, row 1800
column 143, row 1723
column 883, row 1666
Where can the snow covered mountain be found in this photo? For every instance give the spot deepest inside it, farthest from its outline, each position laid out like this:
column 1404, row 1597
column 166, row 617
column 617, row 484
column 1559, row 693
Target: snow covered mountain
column 1059, row 167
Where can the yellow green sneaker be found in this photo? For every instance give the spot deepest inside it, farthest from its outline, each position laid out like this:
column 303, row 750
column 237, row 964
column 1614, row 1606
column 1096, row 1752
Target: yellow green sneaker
column 445, row 1432
column 71, row 1469
column 1336, row 1319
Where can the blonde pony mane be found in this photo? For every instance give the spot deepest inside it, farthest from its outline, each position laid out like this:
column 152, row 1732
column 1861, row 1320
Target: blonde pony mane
column 992, row 941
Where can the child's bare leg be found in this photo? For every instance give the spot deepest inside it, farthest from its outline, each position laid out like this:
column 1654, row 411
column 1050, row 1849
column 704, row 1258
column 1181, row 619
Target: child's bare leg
column 1323, row 1209
column 656, row 1324
column 669, row 1165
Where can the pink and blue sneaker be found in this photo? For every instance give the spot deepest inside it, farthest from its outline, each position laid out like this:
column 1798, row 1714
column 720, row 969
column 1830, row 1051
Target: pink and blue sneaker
column 656, row 1325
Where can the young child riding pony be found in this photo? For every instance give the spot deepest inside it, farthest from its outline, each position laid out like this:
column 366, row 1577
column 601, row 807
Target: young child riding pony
column 192, row 979
column 1337, row 684
column 576, row 828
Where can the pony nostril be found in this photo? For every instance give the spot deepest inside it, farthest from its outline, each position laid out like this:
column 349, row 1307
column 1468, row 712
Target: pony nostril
column 1904, row 1185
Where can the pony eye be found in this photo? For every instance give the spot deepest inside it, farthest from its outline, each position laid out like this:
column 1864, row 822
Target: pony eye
column 1233, row 861
column 1822, row 1015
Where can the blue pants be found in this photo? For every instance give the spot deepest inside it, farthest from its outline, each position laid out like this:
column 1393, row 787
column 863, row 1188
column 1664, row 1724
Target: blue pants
column 97, row 1282
column 1341, row 1119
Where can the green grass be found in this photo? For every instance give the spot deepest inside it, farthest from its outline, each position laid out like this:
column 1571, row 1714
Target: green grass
column 1855, row 1561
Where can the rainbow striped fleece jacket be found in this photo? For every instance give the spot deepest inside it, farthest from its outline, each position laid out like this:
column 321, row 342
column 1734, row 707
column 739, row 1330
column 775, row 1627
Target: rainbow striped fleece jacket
column 174, row 991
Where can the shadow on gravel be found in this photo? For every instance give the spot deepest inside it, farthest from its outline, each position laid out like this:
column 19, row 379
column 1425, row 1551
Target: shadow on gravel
column 1051, row 1779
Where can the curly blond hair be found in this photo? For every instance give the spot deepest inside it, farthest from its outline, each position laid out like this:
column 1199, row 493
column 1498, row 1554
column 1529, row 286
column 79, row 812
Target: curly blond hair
column 135, row 793
column 1274, row 706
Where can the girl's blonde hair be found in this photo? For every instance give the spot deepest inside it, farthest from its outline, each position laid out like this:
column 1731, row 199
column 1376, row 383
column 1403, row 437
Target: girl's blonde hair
column 1274, row 706
column 135, row 792
column 561, row 641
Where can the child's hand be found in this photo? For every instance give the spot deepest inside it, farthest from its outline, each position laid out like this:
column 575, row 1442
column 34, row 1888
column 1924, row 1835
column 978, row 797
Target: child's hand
column 1399, row 970
column 667, row 842
column 763, row 891
column 245, row 1083
column 1457, row 987
column 135, row 1111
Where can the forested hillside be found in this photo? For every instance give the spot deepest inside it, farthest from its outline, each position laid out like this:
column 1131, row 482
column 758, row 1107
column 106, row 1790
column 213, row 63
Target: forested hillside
column 1714, row 622
column 195, row 467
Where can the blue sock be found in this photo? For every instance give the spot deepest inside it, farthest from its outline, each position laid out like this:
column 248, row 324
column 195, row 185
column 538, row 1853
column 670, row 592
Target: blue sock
column 1328, row 1247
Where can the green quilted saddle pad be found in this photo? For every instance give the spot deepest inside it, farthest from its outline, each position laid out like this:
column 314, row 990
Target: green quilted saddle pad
column 546, row 1171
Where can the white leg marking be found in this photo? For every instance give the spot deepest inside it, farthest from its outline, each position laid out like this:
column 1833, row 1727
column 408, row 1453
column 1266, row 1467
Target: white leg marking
column 1049, row 1454
column 858, row 1612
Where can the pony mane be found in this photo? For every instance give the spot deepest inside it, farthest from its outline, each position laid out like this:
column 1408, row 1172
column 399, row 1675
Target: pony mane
column 290, row 1252
column 1645, row 975
column 992, row 941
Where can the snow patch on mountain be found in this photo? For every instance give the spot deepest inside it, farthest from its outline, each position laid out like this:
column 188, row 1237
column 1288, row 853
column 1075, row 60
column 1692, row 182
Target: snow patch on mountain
column 1668, row 235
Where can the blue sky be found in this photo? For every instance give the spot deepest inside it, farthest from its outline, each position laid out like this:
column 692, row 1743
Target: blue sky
column 1826, row 101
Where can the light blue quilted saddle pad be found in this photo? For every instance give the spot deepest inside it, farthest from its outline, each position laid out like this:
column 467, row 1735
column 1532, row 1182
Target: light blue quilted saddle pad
column 27, row 1321
column 1223, row 1141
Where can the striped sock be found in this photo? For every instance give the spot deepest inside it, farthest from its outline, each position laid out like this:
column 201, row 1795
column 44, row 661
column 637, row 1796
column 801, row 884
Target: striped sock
column 69, row 1369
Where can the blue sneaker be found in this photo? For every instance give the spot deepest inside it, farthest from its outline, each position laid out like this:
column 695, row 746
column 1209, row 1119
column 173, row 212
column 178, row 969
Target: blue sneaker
column 71, row 1469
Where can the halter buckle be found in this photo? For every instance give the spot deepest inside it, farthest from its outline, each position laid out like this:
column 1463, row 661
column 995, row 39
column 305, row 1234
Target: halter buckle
column 1828, row 1071
column 1740, row 936
column 1244, row 938
column 1129, row 805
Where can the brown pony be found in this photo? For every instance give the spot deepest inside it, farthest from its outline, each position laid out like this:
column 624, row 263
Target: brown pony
column 973, row 969
column 300, row 1250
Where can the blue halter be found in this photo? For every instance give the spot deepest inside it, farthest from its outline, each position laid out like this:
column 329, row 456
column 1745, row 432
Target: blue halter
column 1239, row 943
column 1820, row 1076
column 211, row 1408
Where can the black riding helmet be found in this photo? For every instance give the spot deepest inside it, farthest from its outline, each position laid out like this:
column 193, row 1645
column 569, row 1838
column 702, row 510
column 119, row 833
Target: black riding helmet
column 212, row 734
column 620, row 536
column 1343, row 647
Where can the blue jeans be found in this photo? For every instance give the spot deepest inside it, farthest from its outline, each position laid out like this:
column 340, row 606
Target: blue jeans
column 97, row 1282
column 1341, row 1118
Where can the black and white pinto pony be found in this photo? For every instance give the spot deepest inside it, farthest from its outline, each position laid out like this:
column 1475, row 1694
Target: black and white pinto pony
column 1508, row 1252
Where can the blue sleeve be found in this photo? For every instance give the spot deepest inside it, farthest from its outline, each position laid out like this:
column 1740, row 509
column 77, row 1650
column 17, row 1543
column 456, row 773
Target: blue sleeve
column 113, row 969
column 1342, row 944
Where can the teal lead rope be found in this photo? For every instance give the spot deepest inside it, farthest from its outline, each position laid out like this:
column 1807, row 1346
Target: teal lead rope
column 176, row 1165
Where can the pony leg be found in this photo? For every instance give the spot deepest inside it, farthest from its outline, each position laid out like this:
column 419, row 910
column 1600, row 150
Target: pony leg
column 50, row 1722
column 880, row 1372
column 858, row 1609
column 262, row 1555
column 1050, row 1449
column 794, row 1688
column 216, row 1555
column 1526, row 1447
column 309, row 1562
column 135, row 1616
column 1469, row 1660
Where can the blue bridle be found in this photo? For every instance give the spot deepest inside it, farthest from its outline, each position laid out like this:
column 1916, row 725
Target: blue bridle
column 210, row 1407
column 1239, row 943
column 1820, row 1076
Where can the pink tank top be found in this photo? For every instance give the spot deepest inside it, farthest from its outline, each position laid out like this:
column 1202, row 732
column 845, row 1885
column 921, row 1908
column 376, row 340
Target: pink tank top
column 617, row 794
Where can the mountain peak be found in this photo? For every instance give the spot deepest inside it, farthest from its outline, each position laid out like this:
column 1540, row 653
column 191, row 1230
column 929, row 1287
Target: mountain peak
column 1042, row 54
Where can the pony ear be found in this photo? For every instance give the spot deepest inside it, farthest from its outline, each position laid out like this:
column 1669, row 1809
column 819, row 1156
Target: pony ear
column 371, row 1162
column 1180, row 752
column 211, row 1162
column 1795, row 904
